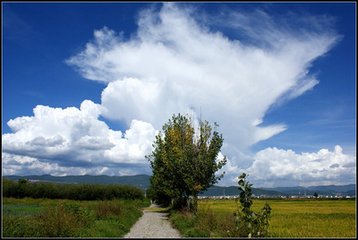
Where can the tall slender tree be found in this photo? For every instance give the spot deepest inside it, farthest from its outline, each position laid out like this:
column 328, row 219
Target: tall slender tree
column 184, row 162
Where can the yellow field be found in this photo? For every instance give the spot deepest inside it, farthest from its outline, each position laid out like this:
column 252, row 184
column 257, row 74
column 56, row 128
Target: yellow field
column 299, row 218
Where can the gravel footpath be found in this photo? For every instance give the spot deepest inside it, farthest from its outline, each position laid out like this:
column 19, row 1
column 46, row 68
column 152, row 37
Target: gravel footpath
column 153, row 225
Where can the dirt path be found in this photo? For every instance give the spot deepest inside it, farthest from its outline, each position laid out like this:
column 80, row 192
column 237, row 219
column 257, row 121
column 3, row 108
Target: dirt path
column 153, row 224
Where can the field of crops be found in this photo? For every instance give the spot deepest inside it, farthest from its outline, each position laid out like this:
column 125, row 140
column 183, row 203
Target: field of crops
column 299, row 218
column 29, row 217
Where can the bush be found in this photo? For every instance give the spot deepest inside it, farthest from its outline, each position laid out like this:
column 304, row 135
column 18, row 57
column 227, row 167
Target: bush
column 23, row 189
column 58, row 222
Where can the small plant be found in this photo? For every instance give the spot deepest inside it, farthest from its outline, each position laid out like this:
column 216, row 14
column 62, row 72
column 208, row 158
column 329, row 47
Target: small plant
column 248, row 222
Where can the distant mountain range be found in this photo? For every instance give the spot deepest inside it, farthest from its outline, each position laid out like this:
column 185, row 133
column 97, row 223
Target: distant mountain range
column 142, row 181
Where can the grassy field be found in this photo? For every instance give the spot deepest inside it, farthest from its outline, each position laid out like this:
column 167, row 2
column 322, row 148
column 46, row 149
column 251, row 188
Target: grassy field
column 69, row 218
column 289, row 218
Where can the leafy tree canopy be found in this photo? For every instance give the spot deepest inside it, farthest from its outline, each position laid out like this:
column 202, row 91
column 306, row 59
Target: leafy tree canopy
column 184, row 162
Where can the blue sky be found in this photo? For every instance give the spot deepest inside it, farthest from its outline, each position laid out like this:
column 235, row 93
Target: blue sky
column 136, row 64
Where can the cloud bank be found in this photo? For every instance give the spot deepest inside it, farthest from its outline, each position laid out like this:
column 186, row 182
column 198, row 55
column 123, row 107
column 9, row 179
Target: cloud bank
column 279, row 167
column 176, row 63
column 73, row 138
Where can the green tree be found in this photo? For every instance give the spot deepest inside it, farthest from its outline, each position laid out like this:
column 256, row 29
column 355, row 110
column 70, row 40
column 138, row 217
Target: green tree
column 22, row 181
column 184, row 163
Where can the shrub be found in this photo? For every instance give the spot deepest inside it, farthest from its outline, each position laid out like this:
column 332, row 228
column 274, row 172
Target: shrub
column 65, row 219
column 57, row 222
column 24, row 188
column 83, row 215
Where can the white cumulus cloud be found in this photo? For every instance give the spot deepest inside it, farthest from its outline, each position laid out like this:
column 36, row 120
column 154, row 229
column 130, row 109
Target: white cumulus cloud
column 76, row 138
column 279, row 167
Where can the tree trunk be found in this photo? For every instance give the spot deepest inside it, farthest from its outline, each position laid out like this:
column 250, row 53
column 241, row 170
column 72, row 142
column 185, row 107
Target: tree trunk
column 193, row 203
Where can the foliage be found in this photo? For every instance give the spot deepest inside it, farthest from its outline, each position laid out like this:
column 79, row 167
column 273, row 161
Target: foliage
column 23, row 189
column 184, row 163
column 69, row 218
column 22, row 181
column 250, row 223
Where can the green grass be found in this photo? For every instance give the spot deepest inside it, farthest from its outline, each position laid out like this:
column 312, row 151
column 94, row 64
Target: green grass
column 22, row 209
column 289, row 218
column 69, row 218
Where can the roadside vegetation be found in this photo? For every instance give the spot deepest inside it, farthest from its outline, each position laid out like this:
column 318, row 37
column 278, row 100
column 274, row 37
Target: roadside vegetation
column 30, row 217
column 23, row 188
column 69, row 210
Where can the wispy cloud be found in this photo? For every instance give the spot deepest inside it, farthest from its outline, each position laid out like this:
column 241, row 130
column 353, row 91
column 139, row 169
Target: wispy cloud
column 176, row 64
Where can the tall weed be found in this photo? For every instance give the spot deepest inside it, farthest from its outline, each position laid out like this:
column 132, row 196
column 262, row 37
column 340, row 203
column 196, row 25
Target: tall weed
column 250, row 223
column 57, row 222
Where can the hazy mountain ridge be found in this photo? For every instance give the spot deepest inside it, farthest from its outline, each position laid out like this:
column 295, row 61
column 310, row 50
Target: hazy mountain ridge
column 142, row 181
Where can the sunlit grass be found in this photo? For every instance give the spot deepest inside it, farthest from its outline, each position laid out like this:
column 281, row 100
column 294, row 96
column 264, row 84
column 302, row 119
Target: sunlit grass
column 299, row 218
